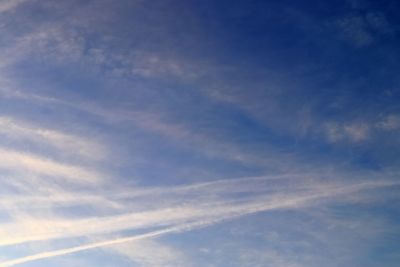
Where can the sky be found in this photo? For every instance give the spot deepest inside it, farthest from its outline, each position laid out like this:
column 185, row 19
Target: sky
column 199, row 133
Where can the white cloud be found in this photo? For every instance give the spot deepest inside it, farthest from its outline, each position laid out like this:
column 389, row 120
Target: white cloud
column 390, row 122
column 34, row 213
column 8, row 5
column 65, row 143
column 176, row 219
column 25, row 163
column 356, row 30
column 334, row 132
column 267, row 257
column 157, row 123
column 378, row 22
column 150, row 253
column 351, row 132
column 362, row 30
column 357, row 132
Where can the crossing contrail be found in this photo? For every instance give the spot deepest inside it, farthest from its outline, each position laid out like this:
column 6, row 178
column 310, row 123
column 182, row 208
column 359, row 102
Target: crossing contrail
column 50, row 254
column 295, row 202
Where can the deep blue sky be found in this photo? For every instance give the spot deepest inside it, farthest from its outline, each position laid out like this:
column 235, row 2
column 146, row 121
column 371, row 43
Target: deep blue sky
column 199, row 133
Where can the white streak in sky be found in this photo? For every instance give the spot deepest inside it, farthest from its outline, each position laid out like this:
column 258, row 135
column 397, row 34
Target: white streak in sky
column 8, row 5
column 65, row 143
column 30, row 163
column 230, row 213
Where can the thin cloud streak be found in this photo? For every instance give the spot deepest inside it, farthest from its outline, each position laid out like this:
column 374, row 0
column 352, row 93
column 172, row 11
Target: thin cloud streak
column 110, row 136
column 56, row 253
column 218, row 216
column 8, row 5
column 65, row 143
column 31, row 163
column 203, row 196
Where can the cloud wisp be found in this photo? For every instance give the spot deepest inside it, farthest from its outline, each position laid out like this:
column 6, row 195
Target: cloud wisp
column 65, row 143
column 8, row 5
column 177, row 220
column 154, row 121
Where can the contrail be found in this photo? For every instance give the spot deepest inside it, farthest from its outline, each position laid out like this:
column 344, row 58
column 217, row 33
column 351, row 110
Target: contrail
column 88, row 226
column 290, row 203
column 174, row 229
column 50, row 254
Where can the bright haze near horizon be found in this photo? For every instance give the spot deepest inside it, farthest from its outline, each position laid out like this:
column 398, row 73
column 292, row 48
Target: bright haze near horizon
column 199, row 133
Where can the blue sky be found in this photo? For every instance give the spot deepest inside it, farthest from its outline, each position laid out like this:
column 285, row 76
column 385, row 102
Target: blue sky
column 199, row 133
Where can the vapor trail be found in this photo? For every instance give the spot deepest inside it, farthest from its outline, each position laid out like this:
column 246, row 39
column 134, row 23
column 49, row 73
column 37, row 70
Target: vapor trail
column 50, row 254
column 290, row 203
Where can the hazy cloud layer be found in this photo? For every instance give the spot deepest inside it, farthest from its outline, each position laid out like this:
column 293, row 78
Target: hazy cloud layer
column 170, row 133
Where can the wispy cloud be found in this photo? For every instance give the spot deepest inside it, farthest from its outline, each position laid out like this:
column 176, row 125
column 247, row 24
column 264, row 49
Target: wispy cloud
column 363, row 30
column 184, row 218
column 356, row 30
column 390, row 122
column 8, row 5
column 127, row 125
column 33, row 164
column 352, row 132
column 143, row 253
column 63, row 142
